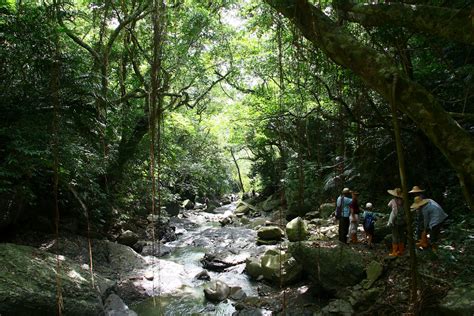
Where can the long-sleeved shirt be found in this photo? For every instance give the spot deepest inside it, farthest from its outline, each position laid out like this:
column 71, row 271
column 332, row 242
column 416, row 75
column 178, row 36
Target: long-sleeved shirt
column 433, row 214
column 345, row 205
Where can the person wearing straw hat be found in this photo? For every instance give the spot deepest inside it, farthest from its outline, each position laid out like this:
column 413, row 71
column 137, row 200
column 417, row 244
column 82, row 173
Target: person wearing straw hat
column 433, row 218
column 397, row 222
column 342, row 207
column 422, row 241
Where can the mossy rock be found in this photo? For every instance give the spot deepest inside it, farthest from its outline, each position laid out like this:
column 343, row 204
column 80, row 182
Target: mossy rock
column 329, row 267
column 28, row 284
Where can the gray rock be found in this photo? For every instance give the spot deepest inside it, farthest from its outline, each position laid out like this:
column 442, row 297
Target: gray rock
column 329, row 267
column 270, row 268
column 270, row 233
column 312, row 215
column 203, row 275
column 217, row 291
column 459, row 301
column 236, row 293
column 114, row 306
column 127, row 238
column 28, row 278
column 297, row 229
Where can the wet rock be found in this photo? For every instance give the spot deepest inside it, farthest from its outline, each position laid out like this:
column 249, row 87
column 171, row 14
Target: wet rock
column 114, row 306
column 236, row 293
column 270, row 233
column 297, row 229
column 127, row 238
column 253, row 267
column 28, row 278
column 220, row 261
column 458, row 301
column 327, row 209
column 217, row 291
column 328, row 266
column 203, row 275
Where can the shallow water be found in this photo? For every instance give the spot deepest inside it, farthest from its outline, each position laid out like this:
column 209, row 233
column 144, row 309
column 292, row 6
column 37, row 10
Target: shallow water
column 177, row 291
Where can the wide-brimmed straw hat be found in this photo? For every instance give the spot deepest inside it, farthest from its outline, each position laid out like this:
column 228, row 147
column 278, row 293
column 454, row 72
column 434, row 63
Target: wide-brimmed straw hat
column 419, row 202
column 397, row 192
column 346, row 190
column 416, row 189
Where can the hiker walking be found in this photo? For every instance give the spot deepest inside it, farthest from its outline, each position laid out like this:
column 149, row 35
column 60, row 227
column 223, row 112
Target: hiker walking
column 433, row 219
column 354, row 217
column 397, row 222
column 369, row 223
column 342, row 214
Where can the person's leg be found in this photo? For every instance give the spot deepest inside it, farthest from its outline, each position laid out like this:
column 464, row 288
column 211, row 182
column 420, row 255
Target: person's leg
column 434, row 236
column 346, row 222
column 395, row 240
column 402, row 240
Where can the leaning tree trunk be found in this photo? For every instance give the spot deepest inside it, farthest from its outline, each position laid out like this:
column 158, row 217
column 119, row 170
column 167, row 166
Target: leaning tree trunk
column 238, row 171
column 378, row 72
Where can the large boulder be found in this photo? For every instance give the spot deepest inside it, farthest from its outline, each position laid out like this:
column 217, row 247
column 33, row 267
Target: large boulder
column 28, row 284
column 188, row 204
column 127, row 238
column 270, row 233
column 458, row 302
column 114, row 306
column 297, row 229
column 217, row 291
column 173, row 208
column 269, row 267
column 326, row 210
column 329, row 267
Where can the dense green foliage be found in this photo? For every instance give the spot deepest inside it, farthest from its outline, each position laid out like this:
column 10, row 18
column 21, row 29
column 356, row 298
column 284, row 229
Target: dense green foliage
column 232, row 78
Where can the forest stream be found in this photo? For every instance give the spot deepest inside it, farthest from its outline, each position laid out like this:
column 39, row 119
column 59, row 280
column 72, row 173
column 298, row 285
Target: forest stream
column 200, row 233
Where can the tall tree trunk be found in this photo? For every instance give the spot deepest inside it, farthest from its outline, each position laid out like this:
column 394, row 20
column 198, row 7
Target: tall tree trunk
column 378, row 72
column 406, row 205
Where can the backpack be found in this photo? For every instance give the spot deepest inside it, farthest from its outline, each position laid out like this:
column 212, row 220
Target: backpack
column 338, row 212
column 369, row 222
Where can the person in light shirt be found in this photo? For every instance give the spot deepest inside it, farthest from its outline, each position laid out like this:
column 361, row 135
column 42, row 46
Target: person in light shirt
column 433, row 219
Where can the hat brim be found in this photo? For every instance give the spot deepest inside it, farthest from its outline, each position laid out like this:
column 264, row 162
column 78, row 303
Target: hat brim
column 416, row 191
column 419, row 204
column 394, row 193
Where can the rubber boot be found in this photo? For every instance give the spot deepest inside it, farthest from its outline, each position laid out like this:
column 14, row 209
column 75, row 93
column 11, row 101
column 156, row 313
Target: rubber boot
column 401, row 249
column 354, row 239
column 394, row 250
column 423, row 242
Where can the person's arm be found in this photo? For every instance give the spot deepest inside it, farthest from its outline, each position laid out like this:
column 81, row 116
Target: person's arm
column 426, row 219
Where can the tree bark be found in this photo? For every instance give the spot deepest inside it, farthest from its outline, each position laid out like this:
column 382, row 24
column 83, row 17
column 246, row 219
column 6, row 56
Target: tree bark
column 447, row 23
column 378, row 72
column 238, row 171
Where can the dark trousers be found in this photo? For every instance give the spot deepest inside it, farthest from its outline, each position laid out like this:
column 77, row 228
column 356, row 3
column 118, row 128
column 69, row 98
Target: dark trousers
column 435, row 232
column 343, row 229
